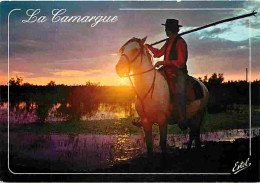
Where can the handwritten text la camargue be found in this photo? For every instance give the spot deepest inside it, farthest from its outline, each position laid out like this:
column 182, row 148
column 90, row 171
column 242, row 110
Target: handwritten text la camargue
column 58, row 15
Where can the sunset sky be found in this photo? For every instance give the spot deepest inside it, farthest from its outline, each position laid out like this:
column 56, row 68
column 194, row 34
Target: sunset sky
column 73, row 53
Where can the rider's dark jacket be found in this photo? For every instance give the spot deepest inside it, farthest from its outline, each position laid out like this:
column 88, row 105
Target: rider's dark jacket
column 175, row 51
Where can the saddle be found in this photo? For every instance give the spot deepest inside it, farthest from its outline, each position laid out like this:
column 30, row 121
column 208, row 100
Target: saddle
column 193, row 88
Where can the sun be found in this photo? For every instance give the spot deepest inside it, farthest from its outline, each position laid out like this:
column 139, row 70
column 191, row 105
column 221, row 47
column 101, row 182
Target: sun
column 123, row 81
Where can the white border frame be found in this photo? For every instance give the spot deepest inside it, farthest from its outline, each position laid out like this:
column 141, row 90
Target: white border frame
column 138, row 9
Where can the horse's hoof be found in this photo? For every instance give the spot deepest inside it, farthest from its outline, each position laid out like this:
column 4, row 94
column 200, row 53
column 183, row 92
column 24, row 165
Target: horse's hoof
column 149, row 157
column 164, row 155
column 182, row 126
column 198, row 146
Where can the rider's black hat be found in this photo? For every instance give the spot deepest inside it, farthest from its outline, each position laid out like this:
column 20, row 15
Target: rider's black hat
column 172, row 23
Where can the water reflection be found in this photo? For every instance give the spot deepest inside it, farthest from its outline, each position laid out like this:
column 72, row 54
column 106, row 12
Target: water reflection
column 112, row 111
column 126, row 146
column 88, row 152
column 31, row 112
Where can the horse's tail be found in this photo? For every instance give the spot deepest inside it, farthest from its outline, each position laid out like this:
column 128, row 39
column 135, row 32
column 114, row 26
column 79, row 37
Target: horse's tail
column 205, row 98
column 204, row 103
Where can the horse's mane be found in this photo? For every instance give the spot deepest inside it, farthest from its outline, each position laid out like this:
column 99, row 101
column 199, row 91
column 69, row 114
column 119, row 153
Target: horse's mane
column 141, row 46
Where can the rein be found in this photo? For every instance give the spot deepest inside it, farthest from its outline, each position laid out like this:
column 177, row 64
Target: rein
column 151, row 89
column 139, row 73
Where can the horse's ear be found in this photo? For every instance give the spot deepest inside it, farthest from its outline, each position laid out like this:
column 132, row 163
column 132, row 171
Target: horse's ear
column 143, row 40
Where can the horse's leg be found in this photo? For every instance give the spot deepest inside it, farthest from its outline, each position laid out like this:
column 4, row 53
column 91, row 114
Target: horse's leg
column 201, row 118
column 148, row 137
column 163, row 137
column 197, row 139
column 192, row 136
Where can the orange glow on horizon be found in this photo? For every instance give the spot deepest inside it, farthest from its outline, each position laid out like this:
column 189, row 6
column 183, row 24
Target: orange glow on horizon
column 233, row 77
column 106, row 81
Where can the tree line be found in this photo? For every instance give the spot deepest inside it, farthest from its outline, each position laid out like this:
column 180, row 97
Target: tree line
column 73, row 101
column 76, row 99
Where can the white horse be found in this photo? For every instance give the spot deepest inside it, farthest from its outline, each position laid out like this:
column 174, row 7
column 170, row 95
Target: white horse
column 153, row 103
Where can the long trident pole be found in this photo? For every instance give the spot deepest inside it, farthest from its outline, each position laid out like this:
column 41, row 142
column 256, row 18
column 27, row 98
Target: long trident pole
column 209, row 25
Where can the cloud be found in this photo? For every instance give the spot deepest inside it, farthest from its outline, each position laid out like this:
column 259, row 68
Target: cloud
column 22, row 74
column 73, row 50
column 216, row 31
column 75, row 73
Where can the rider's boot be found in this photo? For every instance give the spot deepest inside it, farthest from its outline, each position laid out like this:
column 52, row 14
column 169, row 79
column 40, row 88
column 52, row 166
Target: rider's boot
column 182, row 111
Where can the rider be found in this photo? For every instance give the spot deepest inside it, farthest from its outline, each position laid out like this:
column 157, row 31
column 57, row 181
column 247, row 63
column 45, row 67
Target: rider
column 175, row 57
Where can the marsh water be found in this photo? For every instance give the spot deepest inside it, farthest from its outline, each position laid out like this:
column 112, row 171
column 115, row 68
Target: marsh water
column 87, row 152
column 30, row 113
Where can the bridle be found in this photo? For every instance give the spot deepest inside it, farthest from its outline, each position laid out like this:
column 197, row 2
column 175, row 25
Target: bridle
column 130, row 62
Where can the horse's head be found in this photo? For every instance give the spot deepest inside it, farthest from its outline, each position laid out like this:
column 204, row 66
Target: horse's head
column 130, row 52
